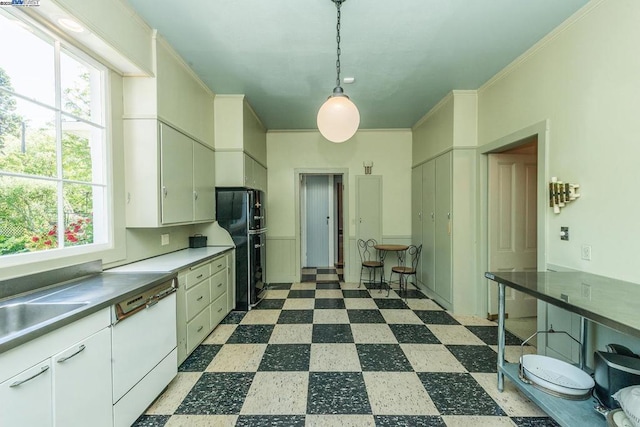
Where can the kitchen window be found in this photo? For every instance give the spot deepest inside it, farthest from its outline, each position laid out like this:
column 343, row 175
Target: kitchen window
column 53, row 150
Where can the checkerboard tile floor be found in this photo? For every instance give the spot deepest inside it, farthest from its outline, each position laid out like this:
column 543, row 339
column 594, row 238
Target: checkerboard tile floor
column 333, row 354
column 321, row 274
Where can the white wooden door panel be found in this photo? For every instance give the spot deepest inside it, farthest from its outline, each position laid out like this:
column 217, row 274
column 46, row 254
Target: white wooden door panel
column 512, row 225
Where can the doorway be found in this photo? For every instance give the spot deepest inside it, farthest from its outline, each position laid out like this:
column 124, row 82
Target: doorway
column 321, row 227
column 513, row 224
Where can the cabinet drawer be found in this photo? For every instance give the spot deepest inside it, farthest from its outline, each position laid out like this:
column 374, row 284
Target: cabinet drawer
column 218, row 284
column 218, row 264
column 198, row 274
column 218, row 310
column 198, row 298
column 197, row 330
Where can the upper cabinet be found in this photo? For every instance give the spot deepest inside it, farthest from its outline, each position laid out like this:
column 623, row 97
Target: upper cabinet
column 170, row 176
column 169, row 133
column 241, row 144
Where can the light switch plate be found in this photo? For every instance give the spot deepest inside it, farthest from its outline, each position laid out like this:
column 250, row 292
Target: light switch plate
column 164, row 239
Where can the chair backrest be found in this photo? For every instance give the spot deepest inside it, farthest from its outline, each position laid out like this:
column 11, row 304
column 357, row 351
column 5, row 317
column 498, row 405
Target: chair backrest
column 366, row 250
column 414, row 254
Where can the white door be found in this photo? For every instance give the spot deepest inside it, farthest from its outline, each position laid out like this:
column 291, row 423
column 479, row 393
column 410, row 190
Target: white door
column 512, row 205
column 317, row 220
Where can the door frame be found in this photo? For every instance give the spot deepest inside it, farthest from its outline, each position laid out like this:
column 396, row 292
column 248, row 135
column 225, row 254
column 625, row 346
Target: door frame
column 298, row 173
column 541, row 130
column 331, row 226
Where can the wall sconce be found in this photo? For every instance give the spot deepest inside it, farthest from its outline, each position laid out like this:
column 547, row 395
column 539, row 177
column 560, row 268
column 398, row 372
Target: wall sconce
column 367, row 167
column 561, row 193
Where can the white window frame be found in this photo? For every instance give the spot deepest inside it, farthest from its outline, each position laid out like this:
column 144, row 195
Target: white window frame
column 60, row 44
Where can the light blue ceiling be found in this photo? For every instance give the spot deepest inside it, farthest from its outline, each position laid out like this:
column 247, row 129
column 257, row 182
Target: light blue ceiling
column 404, row 54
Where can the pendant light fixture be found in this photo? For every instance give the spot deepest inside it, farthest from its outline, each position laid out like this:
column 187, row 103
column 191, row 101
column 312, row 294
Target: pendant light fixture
column 338, row 118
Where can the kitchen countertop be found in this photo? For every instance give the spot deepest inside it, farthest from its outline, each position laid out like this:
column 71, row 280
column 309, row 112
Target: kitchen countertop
column 174, row 261
column 102, row 290
column 97, row 291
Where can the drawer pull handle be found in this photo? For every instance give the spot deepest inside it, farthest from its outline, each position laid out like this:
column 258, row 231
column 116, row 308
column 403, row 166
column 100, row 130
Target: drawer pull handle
column 220, row 309
column 200, row 276
column 80, row 350
column 42, row 371
column 219, row 284
column 200, row 298
column 219, row 265
column 200, row 328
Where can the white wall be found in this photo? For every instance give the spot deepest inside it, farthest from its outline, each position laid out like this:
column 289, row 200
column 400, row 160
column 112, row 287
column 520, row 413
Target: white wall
column 390, row 151
column 583, row 79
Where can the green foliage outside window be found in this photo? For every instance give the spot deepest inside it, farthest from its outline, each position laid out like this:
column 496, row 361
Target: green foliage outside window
column 28, row 207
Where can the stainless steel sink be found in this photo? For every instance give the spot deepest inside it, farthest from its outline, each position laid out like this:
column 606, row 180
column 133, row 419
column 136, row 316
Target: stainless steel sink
column 16, row 317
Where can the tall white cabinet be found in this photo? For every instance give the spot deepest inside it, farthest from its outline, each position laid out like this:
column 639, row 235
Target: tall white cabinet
column 240, row 143
column 432, row 225
column 442, row 221
column 444, row 202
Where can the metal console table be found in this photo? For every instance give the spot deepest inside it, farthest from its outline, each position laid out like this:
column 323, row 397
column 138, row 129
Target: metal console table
column 588, row 295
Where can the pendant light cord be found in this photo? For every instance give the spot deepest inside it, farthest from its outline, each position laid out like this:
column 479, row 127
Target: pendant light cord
column 338, row 4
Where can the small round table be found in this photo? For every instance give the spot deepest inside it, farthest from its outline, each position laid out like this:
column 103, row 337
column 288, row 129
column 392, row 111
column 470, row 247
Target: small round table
column 382, row 250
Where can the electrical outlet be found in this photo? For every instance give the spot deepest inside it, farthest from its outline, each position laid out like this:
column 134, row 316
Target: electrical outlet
column 164, row 239
column 586, row 291
column 586, row 252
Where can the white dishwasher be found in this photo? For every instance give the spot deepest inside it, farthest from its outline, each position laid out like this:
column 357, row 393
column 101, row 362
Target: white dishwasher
column 144, row 356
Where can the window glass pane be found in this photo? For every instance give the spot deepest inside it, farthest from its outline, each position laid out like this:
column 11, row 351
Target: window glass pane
column 26, row 61
column 78, row 214
column 29, row 145
column 28, row 215
column 82, row 146
column 80, row 88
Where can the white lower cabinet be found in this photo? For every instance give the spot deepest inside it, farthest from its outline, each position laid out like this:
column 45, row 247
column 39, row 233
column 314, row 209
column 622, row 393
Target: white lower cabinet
column 69, row 386
column 26, row 399
column 81, row 379
column 203, row 301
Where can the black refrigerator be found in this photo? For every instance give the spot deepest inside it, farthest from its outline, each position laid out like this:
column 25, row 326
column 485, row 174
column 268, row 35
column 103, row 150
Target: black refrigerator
column 241, row 212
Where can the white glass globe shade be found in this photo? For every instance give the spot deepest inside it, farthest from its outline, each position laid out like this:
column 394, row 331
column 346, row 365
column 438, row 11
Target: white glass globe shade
column 338, row 119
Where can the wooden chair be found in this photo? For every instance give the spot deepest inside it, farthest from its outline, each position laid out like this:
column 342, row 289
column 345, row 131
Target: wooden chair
column 405, row 271
column 369, row 260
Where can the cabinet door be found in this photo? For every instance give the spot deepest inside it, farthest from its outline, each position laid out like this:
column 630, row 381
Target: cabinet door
column 369, row 207
column 427, row 257
column 443, row 229
column 204, row 183
column 416, row 212
column 82, row 382
column 25, row 400
column 176, row 175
